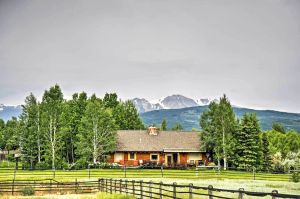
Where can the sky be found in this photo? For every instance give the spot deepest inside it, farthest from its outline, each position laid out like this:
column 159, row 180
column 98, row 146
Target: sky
column 249, row 50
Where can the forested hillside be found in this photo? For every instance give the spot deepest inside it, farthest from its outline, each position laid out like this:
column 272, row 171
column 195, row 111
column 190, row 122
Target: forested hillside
column 189, row 117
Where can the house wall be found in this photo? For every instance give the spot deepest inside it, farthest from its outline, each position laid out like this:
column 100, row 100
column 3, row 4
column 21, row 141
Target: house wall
column 145, row 157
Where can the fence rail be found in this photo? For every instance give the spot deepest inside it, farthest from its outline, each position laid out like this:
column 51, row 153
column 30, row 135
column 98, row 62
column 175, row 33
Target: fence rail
column 137, row 188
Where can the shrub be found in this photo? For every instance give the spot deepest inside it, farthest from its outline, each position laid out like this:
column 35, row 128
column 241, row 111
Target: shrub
column 295, row 177
column 41, row 165
column 28, row 191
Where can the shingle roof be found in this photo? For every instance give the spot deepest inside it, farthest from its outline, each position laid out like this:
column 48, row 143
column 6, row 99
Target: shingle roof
column 140, row 140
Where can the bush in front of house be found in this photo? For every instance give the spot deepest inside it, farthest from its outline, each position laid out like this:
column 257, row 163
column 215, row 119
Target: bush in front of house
column 295, row 177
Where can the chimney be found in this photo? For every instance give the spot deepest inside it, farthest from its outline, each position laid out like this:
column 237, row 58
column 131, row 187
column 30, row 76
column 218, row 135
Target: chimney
column 153, row 130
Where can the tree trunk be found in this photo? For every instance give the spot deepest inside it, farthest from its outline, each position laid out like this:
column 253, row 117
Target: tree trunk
column 224, row 150
column 95, row 143
column 38, row 138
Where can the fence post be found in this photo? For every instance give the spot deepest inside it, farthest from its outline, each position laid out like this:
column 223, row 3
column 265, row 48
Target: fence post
column 89, row 170
column 210, row 194
column 102, row 185
column 150, row 189
column 13, row 187
column 110, row 183
column 161, row 170
column 120, row 185
column 274, row 194
column 174, row 190
column 50, row 186
column 126, row 191
column 106, row 185
column 160, row 190
column 133, row 188
column 75, row 185
column 125, row 170
column 191, row 191
column 141, row 188
column 98, row 184
column 115, row 186
column 253, row 173
column 241, row 193
column 197, row 172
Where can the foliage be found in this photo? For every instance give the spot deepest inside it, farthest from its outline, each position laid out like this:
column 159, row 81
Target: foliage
column 59, row 134
column 248, row 148
column 266, row 156
column 177, row 127
column 126, row 116
column 295, row 177
column 218, row 124
column 28, row 191
column 164, row 125
column 97, row 132
column 278, row 127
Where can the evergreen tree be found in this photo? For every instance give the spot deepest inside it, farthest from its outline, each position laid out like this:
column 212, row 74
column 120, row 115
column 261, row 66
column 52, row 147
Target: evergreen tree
column 164, row 125
column 30, row 134
column 266, row 156
column 248, row 148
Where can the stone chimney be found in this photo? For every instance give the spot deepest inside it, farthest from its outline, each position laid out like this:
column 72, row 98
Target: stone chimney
column 153, row 130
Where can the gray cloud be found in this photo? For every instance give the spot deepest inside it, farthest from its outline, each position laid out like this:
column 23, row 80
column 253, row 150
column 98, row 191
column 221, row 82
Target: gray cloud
column 247, row 49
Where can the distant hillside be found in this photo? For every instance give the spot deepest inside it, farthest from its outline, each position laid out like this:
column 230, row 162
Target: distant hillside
column 189, row 117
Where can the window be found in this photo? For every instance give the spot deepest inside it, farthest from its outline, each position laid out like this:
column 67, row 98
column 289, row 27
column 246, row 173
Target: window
column 131, row 156
column 154, row 157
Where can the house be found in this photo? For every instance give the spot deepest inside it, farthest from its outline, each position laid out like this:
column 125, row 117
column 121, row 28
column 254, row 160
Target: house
column 169, row 148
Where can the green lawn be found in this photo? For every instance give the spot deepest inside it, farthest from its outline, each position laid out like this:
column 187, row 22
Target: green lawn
column 8, row 174
column 264, row 182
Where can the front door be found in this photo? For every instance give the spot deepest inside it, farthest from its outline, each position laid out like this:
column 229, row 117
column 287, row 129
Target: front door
column 169, row 160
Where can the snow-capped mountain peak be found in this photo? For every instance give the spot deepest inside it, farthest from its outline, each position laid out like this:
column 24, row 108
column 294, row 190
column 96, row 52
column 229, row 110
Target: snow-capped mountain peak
column 170, row 102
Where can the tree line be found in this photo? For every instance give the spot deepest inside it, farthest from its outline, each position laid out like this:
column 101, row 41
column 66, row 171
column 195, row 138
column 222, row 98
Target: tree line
column 58, row 133
column 242, row 144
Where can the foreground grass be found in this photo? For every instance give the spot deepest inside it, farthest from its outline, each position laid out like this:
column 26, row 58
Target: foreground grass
column 74, row 196
column 138, row 173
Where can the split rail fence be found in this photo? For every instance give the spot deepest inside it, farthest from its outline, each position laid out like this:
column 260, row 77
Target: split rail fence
column 138, row 189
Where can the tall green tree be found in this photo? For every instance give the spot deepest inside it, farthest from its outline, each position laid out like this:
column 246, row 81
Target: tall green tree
column 219, row 124
column 249, row 147
column 266, row 155
column 2, row 134
column 110, row 100
column 30, row 134
column 52, row 106
column 164, row 125
column 97, row 132
column 127, row 116
column 73, row 112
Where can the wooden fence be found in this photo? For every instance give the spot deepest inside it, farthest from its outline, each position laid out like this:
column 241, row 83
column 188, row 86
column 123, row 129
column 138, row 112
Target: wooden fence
column 139, row 189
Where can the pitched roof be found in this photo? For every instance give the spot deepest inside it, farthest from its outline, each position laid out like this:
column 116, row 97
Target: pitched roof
column 165, row 141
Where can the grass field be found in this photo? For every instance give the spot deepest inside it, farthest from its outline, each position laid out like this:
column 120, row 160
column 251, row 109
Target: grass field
column 264, row 182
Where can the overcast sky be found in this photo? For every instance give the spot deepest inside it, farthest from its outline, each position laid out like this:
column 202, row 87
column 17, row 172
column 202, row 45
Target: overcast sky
column 249, row 50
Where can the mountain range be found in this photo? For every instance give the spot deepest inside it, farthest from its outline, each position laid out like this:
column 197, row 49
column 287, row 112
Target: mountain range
column 186, row 111
column 169, row 102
